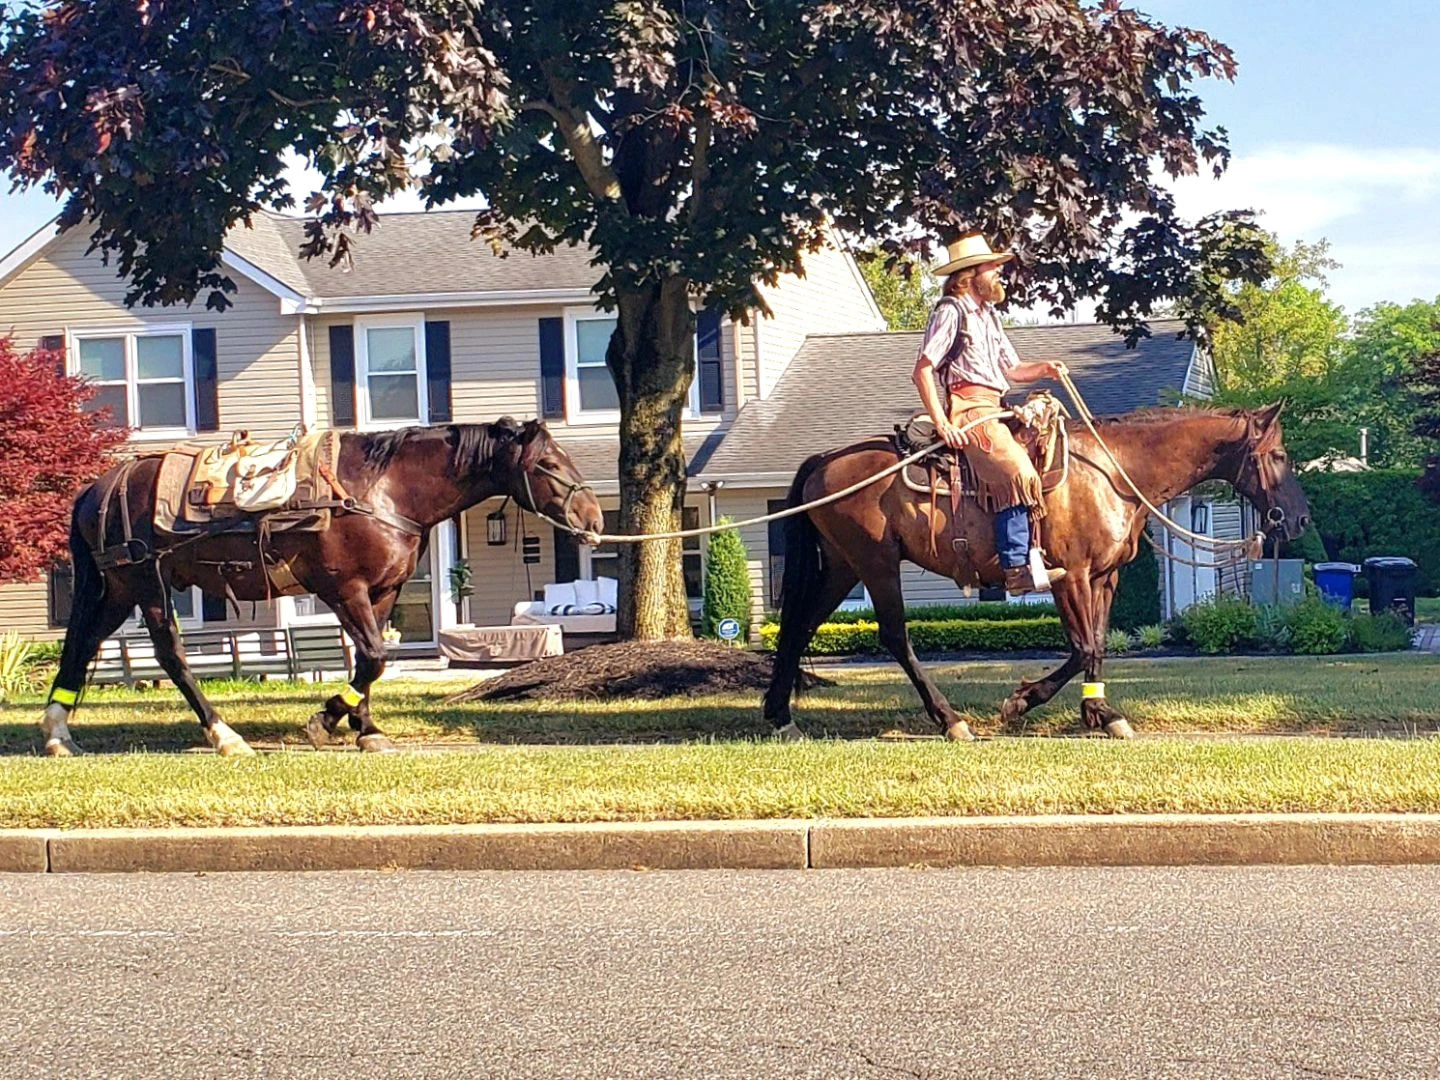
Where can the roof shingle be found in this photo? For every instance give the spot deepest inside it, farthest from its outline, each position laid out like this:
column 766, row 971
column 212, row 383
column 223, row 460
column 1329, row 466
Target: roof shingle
column 842, row 388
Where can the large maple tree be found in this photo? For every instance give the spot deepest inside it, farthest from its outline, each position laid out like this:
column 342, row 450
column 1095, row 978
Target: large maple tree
column 700, row 147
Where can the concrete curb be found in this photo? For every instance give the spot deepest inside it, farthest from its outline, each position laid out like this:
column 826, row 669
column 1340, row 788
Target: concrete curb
column 1118, row 840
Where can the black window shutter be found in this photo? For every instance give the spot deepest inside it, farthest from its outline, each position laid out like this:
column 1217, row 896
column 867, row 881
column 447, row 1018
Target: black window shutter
column 207, row 380
column 342, row 376
column 709, row 366
column 437, row 371
column 567, row 557
column 776, row 536
column 55, row 343
column 61, row 592
column 552, row 369
column 212, row 608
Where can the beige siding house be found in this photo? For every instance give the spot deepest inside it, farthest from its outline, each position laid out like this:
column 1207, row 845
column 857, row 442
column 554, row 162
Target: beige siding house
column 523, row 336
column 518, row 336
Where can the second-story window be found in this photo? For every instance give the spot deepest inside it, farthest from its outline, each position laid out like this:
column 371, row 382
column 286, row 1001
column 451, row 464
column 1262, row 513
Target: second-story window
column 390, row 370
column 594, row 391
column 590, row 394
column 142, row 376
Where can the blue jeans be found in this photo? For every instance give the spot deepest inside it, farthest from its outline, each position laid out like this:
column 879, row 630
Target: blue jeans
column 1012, row 536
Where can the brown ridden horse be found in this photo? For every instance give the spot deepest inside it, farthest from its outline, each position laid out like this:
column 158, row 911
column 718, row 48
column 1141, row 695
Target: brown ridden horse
column 1092, row 527
column 407, row 481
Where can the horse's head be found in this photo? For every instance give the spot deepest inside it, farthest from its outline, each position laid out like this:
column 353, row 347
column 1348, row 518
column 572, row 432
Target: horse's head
column 539, row 475
column 1266, row 476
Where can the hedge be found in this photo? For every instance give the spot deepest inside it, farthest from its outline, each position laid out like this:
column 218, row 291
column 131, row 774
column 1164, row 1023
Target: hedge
column 933, row 635
column 1137, row 593
column 1380, row 512
column 983, row 612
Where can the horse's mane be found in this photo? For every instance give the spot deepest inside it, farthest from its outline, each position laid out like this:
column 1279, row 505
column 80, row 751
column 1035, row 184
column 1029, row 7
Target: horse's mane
column 1163, row 414
column 470, row 446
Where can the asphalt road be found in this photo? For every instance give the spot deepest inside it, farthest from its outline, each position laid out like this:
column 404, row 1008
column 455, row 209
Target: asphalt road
column 1204, row 972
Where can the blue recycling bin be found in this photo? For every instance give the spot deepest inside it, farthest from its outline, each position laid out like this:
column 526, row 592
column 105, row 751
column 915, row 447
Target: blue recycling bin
column 1336, row 582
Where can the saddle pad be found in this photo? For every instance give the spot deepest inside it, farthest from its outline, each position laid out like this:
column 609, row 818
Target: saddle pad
column 250, row 478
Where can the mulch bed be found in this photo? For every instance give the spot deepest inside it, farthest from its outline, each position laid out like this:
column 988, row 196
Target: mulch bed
column 634, row 669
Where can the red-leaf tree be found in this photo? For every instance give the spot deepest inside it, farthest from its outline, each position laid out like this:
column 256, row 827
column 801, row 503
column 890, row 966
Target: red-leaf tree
column 50, row 447
column 699, row 147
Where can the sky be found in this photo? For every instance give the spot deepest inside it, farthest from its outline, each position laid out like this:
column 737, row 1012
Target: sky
column 1333, row 127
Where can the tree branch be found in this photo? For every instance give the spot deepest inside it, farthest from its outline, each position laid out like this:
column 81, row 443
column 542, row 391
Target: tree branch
column 575, row 130
column 700, row 169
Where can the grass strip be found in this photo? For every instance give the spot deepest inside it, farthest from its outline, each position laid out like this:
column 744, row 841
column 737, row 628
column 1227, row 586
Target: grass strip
column 727, row 781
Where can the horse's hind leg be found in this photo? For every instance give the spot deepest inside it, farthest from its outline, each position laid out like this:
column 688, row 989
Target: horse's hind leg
column 92, row 620
column 171, row 653
column 797, row 628
column 889, row 601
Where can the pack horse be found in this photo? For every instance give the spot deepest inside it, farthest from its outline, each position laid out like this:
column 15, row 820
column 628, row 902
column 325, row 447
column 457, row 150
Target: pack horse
column 343, row 516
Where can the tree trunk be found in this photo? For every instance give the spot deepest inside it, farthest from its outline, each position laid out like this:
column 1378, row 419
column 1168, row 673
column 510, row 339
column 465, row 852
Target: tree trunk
column 652, row 359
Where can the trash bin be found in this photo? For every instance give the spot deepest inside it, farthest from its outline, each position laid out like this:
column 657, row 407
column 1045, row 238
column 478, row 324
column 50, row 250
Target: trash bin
column 1336, row 582
column 1392, row 585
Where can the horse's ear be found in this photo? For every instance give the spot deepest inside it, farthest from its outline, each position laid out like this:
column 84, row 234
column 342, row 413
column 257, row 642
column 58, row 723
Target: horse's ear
column 533, row 440
column 1265, row 418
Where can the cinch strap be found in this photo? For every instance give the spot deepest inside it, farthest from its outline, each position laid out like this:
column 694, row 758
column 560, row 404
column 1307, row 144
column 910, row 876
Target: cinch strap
column 64, row 697
column 352, row 697
column 1092, row 690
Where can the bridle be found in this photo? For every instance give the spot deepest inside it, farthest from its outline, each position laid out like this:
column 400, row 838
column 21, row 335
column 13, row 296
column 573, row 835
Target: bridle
column 571, row 490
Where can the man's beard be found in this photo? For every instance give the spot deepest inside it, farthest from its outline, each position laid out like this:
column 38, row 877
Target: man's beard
column 991, row 289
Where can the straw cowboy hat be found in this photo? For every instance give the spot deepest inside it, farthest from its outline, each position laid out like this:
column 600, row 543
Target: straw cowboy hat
column 970, row 250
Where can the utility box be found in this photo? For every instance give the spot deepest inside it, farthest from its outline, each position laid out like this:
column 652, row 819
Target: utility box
column 1277, row 581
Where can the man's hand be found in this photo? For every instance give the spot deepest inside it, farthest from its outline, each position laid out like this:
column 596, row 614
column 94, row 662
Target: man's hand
column 952, row 436
column 1056, row 369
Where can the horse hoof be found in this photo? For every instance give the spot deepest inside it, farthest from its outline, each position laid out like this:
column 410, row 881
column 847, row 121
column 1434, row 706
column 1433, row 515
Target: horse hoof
column 316, row 731
column 959, row 731
column 1119, row 729
column 1011, row 709
column 61, row 748
column 789, row 733
column 376, row 744
column 227, row 741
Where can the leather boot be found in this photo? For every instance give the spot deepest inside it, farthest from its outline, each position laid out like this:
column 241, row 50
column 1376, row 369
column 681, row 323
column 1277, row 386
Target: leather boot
column 1018, row 580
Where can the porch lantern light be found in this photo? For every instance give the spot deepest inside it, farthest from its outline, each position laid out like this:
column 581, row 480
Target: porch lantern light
column 495, row 528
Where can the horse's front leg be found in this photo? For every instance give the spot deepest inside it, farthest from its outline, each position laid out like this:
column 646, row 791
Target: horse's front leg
column 1095, row 711
column 361, row 619
column 1072, row 600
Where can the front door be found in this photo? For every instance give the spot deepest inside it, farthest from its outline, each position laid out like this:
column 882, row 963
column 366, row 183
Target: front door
column 414, row 611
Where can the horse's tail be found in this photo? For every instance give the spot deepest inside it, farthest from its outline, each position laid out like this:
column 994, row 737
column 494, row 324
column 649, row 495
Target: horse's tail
column 88, row 597
column 799, row 592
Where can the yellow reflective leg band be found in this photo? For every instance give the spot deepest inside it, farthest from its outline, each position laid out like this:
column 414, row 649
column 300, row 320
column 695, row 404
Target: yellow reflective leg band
column 1092, row 690
column 352, row 697
column 64, row 697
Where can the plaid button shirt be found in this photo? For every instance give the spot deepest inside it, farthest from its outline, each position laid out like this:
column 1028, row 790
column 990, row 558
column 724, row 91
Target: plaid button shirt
column 967, row 344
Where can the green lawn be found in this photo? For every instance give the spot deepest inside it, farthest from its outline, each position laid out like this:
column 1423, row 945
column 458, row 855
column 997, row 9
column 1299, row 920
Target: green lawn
column 1427, row 609
column 692, row 758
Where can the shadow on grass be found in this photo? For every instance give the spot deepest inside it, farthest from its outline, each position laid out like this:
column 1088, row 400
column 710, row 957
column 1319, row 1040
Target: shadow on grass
column 1354, row 696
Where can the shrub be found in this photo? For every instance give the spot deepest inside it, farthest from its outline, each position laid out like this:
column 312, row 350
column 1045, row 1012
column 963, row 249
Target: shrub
column 1272, row 628
column 1317, row 627
column 1220, row 624
column 727, row 584
column 1151, row 637
column 1117, row 642
column 833, row 638
column 1385, row 632
column 1137, row 593
column 14, row 664
column 982, row 612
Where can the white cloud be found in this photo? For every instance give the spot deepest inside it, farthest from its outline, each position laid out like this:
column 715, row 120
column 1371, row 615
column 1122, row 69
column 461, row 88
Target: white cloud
column 1305, row 189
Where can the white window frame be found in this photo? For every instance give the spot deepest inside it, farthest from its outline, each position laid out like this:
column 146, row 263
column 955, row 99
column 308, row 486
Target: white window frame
column 412, row 321
column 574, row 414
column 129, row 334
column 133, row 624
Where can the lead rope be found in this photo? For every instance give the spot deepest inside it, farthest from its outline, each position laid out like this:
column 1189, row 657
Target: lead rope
column 1239, row 549
column 834, row 496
